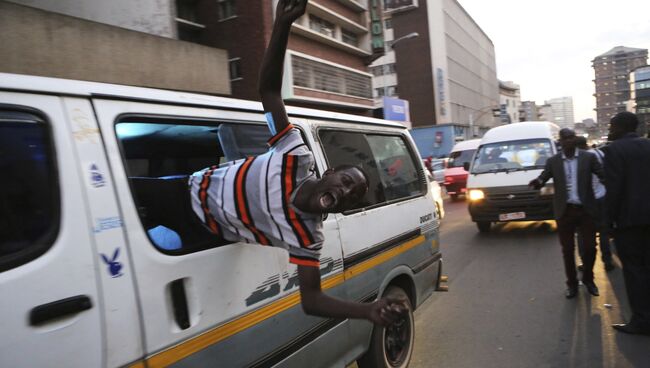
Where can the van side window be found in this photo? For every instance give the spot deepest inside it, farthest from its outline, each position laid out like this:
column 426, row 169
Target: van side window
column 29, row 193
column 386, row 159
column 159, row 156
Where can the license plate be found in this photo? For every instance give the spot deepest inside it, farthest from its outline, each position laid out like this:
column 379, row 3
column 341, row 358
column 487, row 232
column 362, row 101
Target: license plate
column 512, row 216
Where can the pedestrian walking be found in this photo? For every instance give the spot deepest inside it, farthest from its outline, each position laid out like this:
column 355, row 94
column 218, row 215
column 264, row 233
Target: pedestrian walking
column 627, row 181
column 574, row 206
column 602, row 226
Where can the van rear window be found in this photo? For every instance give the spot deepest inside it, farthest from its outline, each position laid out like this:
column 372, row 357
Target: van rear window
column 160, row 154
column 28, row 189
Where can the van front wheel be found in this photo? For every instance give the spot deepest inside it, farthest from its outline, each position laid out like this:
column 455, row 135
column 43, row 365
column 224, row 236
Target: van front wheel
column 392, row 346
column 484, row 226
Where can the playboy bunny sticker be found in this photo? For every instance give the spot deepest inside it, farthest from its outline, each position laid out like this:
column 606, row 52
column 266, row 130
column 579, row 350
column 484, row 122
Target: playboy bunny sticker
column 114, row 267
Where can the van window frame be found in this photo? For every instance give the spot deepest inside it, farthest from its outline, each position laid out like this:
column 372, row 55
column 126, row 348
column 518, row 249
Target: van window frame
column 409, row 147
column 188, row 121
column 48, row 238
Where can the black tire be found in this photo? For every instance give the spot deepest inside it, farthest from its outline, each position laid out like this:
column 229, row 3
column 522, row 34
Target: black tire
column 391, row 347
column 484, row 226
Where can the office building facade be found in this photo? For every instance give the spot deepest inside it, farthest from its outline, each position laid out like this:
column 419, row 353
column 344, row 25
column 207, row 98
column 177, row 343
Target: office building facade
column 122, row 42
column 640, row 96
column 529, row 111
column 562, row 111
column 448, row 72
column 612, row 70
column 510, row 102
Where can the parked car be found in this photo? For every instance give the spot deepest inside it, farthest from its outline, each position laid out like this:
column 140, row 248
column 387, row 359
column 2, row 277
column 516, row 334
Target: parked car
column 455, row 173
column 87, row 281
column 436, row 192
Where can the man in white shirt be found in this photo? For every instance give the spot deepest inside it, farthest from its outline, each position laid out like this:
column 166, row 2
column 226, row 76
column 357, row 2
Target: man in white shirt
column 575, row 207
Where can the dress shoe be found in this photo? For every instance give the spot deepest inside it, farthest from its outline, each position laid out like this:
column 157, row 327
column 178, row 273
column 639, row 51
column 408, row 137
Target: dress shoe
column 630, row 328
column 592, row 288
column 571, row 292
column 609, row 266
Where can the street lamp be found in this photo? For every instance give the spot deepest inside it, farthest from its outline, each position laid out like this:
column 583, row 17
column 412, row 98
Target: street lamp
column 392, row 46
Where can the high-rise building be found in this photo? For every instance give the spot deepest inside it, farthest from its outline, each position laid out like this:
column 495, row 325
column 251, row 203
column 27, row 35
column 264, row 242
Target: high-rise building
column 121, row 41
column 510, row 100
column 640, row 96
column 448, row 72
column 612, row 70
column 562, row 111
column 529, row 111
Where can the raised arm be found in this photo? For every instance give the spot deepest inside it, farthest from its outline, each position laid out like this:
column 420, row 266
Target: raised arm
column 270, row 82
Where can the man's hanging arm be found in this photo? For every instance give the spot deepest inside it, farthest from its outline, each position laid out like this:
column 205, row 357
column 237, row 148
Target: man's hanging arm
column 270, row 82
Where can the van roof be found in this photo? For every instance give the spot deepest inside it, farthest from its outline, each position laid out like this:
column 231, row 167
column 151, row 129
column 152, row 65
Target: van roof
column 523, row 130
column 466, row 145
column 71, row 87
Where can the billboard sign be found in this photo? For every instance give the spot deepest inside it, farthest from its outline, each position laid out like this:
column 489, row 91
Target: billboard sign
column 396, row 109
column 376, row 29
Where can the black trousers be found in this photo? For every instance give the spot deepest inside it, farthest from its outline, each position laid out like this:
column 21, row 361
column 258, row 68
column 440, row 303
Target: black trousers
column 576, row 218
column 633, row 247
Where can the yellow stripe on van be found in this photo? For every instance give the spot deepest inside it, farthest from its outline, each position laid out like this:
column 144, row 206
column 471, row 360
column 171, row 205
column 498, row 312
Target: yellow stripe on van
column 231, row 328
column 220, row 333
column 382, row 257
column 138, row 365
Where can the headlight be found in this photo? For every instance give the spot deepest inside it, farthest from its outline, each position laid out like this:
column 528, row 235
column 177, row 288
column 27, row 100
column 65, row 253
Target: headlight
column 476, row 195
column 547, row 190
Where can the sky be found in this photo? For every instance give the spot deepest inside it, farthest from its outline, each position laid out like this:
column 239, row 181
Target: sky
column 547, row 46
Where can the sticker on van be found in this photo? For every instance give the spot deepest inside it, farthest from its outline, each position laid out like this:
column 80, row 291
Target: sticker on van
column 114, row 266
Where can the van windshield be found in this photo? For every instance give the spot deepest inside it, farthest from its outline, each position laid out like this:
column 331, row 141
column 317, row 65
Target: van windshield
column 512, row 156
column 458, row 158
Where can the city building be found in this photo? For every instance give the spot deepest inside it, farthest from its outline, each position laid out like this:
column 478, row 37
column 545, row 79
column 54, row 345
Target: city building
column 612, row 70
column 529, row 111
column 640, row 96
column 546, row 113
column 509, row 102
column 562, row 111
column 121, row 41
column 448, row 72
column 329, row 51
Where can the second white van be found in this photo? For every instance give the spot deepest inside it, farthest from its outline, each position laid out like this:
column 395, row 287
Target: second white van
column 507, row 159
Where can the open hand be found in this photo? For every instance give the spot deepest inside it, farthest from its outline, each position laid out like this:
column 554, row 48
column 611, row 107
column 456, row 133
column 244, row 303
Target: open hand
column 535, row 184
column 387, row 311
column 290, row 10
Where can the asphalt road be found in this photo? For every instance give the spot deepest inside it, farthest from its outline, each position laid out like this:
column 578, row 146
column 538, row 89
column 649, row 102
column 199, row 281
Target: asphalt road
column 506, row 306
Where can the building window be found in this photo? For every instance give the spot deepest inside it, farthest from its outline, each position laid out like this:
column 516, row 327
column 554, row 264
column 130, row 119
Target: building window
column 312, row 74
column 350, row 38
column 235, row 68
column 322, row 26
column 29, row 191
column 186, row 10
column 388, row 23
column 226, row 9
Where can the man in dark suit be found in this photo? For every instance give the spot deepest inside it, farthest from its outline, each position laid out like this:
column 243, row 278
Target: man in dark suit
column 628, row 180
column 574, row 206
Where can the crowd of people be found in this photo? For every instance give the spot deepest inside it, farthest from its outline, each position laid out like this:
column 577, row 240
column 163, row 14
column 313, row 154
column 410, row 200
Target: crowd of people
column 604, row 191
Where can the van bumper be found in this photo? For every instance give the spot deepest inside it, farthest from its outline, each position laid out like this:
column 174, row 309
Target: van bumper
column 500, row 201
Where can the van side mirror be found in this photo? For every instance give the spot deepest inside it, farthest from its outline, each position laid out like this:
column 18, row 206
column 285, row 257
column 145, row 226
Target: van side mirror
column 466, row 166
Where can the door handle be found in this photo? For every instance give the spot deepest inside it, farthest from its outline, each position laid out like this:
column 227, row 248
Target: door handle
column 60, row 308
column 179, row 302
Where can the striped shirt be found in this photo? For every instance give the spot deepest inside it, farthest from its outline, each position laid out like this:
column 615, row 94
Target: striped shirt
column 250, row 200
